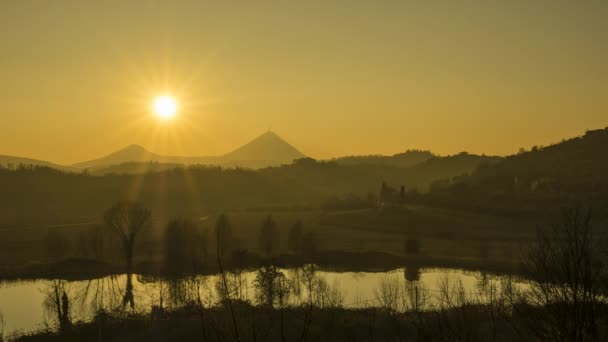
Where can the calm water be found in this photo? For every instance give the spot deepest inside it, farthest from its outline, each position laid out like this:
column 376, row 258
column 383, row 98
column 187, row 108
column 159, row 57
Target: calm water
column 25, row 304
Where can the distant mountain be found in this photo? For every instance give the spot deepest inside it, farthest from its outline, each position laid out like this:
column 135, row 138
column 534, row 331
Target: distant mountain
column 131, row 153
column 267, row 147
column 13, row 162
column 266, row 150
column 406, row 159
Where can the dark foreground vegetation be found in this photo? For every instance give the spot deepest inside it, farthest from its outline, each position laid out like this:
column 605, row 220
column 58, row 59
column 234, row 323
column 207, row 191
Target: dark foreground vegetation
column 469, row 323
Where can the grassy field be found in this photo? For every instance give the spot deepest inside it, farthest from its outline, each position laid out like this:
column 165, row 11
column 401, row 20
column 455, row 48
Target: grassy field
column 442, row 234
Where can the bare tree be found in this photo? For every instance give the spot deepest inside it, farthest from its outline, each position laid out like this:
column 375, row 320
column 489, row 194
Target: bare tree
column 128, row 220
column 221, row 226
column 567, row 270
column 326, row 295
column 308, row 277
column 57, row 303
column 457, row 319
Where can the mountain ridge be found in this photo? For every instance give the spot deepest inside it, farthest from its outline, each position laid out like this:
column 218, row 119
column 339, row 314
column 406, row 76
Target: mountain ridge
column 265, row 150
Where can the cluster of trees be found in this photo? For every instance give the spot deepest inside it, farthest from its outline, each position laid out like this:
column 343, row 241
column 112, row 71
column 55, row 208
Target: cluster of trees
column 185, row 245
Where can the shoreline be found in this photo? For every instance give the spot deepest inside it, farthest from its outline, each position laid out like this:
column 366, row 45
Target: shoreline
column 337, row 261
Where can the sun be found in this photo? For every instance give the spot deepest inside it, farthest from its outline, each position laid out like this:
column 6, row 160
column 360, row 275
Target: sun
column 165, row 107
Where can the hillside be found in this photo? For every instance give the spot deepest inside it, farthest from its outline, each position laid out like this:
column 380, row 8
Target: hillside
column 13, row 162
column 571, row 171
column 406, row 159
column 442, row 167
column 573, row 161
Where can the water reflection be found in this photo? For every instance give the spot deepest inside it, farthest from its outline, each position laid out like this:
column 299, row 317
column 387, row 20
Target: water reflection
column 411, row 273
column 57, row 304
column 65, row 302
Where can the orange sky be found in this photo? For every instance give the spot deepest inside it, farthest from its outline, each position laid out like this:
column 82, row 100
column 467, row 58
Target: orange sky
column 333, row 78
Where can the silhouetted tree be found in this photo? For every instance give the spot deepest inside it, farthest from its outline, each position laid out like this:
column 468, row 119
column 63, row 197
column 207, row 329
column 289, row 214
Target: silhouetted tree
column 57, row 303
column 221, row 228
column 568, row 270
column 309, row 246
column 271, row 285
column 184, row 246
column 223, row 234
column 294, row 240
column 268, row 239
column 65, row 311
column 128, row 220
column 388, row 195
column 1, row 327
column 384, row 193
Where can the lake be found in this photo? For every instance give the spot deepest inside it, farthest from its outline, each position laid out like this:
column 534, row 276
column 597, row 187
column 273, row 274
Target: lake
column 27, row 305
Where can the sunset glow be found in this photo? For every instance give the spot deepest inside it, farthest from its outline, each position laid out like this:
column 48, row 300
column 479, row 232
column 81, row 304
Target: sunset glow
column 165, row 107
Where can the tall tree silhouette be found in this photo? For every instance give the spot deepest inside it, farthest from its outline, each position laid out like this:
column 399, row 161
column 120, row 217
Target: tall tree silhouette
column 128, row 220
column 185, row 246
column 294, row 240
column 268, row 239
column 223, row 232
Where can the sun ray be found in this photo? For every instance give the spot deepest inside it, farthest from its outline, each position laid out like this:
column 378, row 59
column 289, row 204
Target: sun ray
column 165, row 106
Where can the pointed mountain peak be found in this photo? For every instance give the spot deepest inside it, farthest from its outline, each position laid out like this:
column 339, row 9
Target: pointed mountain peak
column 270, row 136
column 133, row 148
column 268, row 147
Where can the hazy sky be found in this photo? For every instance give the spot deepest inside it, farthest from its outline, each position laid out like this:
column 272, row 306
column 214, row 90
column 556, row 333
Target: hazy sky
column 332, row 77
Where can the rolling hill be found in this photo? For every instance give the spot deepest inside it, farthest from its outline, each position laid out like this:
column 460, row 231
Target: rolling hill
column 571, row 172
column 13, row 162
column 406, row 159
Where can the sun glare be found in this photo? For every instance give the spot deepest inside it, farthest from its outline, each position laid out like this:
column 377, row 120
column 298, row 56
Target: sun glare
column 165, row 107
